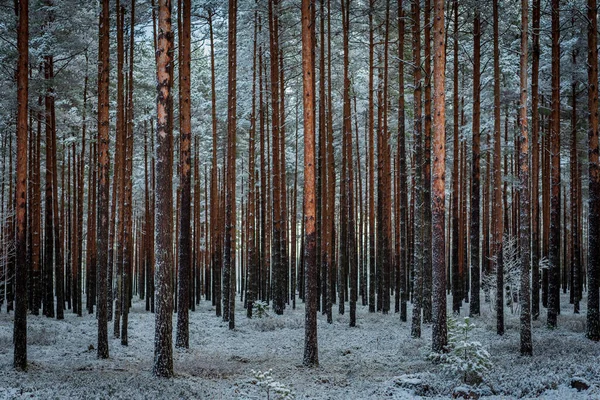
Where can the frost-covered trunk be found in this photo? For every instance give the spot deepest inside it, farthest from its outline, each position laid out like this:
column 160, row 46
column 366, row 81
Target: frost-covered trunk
column 163, row 350
column 215, row 285
column 20, row 323
column 497, row 218
column 49, row 208
column 349, row 241
column 128, row 250
column 575, row 236
column 119, row 177
column 229, row 266
column 535, row 163
column 371, row 166
column 185, row 182
column 457, row 287
column 439, row 329
column 524, row 211
column 311, row 356
column 322, row 193
column 252, row 267
column 427, row 310
column 277, row 264
column 555, row 200
column 103, row 171
column 593, row 312
column 474, row 304
column 418, row 139
column 403, row 267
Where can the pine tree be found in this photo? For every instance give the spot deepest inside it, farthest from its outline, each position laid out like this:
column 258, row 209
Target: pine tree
column 185, row 167
column 103, row 170
column 474, row 305
column 439, row 330
column 593, row 313
column 311, row 357
column 163, row 351
column 524, row 217
column 20, row 324
column 555, row 220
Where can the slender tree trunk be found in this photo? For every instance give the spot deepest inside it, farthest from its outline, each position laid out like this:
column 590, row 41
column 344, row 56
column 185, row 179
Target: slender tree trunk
column 214, row 191
column 229, row 264
column 49, row 207
column 128, row 260
column 474, row 304
column 348, row 243
column 439, row 330
column 163, row 350
column 456, row 275
column 371, row 164
column 593, row 309
column 555, row 221
column 418, row 139
column 20, row 323
column 498, row 221
column 403, row 268
column 103, row 166
column 311, row 357
column 427, row 316
column 535, row 164
column 252, row 265
column 524, row 217
column 185, row 181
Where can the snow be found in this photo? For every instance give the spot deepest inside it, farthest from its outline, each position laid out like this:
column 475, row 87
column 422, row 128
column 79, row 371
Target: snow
column 377, row 359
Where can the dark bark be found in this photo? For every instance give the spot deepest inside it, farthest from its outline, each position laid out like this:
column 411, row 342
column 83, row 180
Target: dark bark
column 524, row 216
column 555, row 199
column 593, row 309
column 498, row 221
column 185, row 181
column 103, row 171
column 20, row 322
column 474, row 304
column 163, row 350
column 311, row 357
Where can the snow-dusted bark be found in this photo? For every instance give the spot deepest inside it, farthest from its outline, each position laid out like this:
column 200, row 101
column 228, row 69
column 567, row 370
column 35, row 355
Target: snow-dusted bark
column 427, row 306
column 555, row 197
column 524, row 217
column 535, row 161
column 278, row 269
column 185, row 170
column 418, row 139
column 497, row 212
column 20, row 326
column 311, row 354
column 439, row 329
column 163, row 350
column 474, row 305
column 593, row 312
column 103, row 173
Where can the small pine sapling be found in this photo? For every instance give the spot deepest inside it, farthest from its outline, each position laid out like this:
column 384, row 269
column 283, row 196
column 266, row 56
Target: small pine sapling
column 464, row 357
column 265, row 380
column 261, row 309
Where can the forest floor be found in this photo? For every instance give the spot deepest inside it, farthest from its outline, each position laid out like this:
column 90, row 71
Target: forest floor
column 377, row 359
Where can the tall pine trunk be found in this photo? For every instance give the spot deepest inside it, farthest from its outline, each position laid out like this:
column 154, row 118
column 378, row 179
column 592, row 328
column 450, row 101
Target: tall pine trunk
column 185, row 181
column 20, row 322
column 163, row 350
column 439, row 330
column 593, row 312
column 311, row 357
column 524, row 216
column 103, row 171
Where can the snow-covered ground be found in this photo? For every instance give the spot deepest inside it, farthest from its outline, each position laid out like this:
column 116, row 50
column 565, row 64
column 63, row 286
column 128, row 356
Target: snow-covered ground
column 377, row 359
